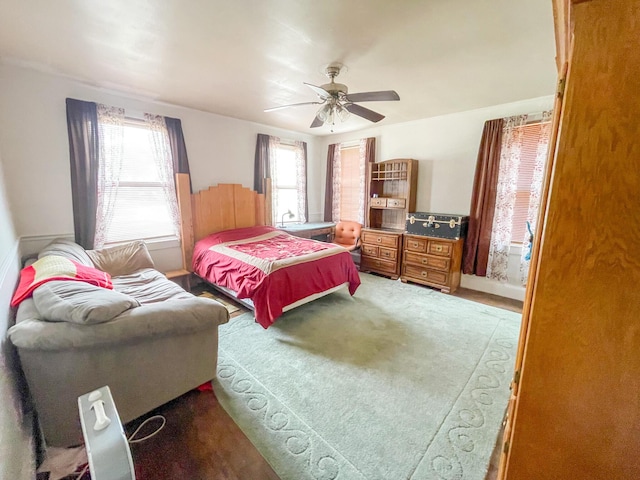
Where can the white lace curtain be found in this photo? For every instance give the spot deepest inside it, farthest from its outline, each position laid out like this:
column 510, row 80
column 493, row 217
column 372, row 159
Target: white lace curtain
column 362, row 185
column 111, row 135
column 274, row 147
column 510, row 154
column 163, row 161
column 301, row 180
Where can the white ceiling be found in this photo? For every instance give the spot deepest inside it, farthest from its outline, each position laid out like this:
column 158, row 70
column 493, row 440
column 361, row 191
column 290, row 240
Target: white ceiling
column 238, row 57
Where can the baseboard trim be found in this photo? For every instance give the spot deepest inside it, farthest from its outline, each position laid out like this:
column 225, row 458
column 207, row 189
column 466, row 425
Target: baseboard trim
column 486, row 285
column 32, row 244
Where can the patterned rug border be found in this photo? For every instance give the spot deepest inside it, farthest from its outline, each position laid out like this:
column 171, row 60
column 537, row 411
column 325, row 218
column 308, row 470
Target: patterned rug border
column 309, row 454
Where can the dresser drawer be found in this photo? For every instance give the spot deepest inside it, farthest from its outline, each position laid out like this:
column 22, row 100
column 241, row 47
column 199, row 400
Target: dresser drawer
column 396, row 202
column 382, row 266
column 370, row 250
column 438, row 263
column 388, row 253
column 378, row 238
column 425, row 274
column 378, row 202
column 415, row 244
column 440, row 248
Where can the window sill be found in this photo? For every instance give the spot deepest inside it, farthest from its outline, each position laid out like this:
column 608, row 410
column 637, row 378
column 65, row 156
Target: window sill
column 162, row 243
column 153, row 243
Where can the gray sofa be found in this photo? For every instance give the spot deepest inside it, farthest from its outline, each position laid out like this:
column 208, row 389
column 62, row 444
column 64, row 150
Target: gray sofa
column 147, row 339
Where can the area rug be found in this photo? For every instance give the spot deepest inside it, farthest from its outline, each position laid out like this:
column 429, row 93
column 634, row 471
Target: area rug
column 397, row 382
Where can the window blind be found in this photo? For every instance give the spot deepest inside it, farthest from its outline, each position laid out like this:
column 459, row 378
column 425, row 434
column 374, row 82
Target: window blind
column 350, row 183
column 139, row 206
column 530, row 139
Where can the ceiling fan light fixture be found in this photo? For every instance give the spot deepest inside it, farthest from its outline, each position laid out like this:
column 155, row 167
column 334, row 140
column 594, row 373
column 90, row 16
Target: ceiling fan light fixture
column 338, row 104
column 325, row 113
column 343, row 113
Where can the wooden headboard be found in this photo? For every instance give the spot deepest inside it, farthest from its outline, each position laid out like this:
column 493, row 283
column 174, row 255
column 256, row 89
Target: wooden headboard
column 220, row 207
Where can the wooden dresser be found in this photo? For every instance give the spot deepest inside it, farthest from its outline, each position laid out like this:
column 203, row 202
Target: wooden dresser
column 432, row 261
column 381, row 251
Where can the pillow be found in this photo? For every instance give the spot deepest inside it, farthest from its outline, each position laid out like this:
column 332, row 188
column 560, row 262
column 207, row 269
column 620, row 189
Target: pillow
column 53, row 267
column 68, row 249
column 79, row 302
column 123, row 259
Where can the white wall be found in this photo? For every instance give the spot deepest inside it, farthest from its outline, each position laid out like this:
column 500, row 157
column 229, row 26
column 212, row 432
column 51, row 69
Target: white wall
column 33, row 131
column 447, row 149
column 16, row 448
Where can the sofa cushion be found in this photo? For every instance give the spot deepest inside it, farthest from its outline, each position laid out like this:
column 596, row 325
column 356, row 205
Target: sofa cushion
column 149, row 286
column 68, row 249
column 77, row 302
column 122, row 259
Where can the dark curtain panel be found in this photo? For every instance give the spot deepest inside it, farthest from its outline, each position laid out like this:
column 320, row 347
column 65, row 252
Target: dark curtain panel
column 82, row 125
column 370, row 158
column 261, row 163
column 306, row 182
column 178, row 147
column 328, row 189
column 483, row 200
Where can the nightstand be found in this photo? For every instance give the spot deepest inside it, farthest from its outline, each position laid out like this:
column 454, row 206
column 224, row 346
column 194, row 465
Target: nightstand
column 181, row 277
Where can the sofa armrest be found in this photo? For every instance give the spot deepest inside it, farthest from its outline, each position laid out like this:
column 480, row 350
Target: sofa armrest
column 168, row 318
column 122, row 259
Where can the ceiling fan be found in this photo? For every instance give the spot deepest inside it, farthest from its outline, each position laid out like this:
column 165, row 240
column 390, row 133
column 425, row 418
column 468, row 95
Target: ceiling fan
column 337, row 102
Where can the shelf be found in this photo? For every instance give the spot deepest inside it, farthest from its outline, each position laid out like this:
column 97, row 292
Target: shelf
column 392, row 186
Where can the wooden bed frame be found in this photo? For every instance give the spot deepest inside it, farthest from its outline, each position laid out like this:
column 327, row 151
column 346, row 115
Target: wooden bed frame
column 223, row 207
column 220, row 207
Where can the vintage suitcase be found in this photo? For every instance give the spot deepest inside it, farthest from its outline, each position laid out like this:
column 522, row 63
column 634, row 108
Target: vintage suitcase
column 440, row 225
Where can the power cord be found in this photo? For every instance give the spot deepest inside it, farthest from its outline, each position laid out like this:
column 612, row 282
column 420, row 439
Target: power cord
column 132, row 438
column 135, row 432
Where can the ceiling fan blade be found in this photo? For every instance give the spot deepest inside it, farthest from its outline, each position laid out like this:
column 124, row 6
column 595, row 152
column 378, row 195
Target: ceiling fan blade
column 273, row 109
column 363, row 112
column 316, row 123
column 321, row 92
column 382, row 96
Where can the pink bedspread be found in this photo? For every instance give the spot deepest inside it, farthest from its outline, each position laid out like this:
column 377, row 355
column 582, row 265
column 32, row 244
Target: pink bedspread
column 272, row 268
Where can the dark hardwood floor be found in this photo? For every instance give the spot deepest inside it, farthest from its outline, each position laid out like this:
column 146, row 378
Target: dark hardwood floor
column 201, row 441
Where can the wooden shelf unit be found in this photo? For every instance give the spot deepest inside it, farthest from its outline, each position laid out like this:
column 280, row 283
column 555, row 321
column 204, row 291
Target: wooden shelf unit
column 392, row 187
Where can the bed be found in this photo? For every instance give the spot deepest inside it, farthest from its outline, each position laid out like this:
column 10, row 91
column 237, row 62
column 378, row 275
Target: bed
column 227, row 243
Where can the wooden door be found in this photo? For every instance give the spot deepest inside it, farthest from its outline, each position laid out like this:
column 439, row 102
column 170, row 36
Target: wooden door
column 576, row 410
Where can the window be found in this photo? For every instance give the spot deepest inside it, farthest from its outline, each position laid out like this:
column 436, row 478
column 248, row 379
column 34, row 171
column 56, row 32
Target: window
column 348, row 181
column 288, row 182
column 523, row 154
column 533, row 143
column 136, row 193
column 350, row 185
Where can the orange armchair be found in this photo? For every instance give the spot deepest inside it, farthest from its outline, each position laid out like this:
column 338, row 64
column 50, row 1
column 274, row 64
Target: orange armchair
column 348, row 235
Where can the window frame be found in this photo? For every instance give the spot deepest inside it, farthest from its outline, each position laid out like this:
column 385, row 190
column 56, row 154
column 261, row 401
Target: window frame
column 158, row 241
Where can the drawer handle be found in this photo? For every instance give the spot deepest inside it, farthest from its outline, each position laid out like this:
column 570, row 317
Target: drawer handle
column 378, row 240
column 385, row 254
column 424, row 260
column 415, row 245
column 438, row 248
column 424, row 274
